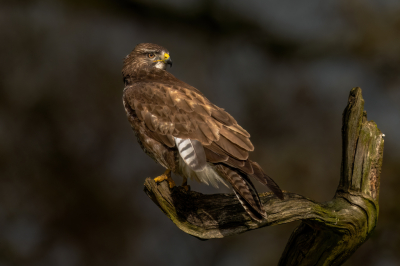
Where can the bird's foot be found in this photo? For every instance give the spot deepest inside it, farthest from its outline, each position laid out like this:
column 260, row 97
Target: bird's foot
column 166, row 176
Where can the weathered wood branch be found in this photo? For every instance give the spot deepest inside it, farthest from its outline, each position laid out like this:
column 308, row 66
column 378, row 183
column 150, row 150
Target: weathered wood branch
column 330, row 232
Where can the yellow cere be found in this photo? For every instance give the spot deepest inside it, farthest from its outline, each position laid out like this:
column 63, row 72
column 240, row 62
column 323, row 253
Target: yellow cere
column 166, row 56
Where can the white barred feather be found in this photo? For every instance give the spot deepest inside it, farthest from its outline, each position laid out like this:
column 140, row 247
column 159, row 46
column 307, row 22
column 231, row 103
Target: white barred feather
column 192, row 152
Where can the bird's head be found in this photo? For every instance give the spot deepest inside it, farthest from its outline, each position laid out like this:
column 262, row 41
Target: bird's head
column 148, row 55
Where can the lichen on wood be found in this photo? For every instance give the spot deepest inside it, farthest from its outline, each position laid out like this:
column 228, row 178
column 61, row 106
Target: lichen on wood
column 329, row 233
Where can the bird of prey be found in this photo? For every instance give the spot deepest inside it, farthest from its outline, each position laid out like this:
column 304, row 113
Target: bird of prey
column 179, row 128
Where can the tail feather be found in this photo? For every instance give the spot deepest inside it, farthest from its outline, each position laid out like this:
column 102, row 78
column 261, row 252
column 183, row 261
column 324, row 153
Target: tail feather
column 266, row 180
column 247, row 207
column 245, row 192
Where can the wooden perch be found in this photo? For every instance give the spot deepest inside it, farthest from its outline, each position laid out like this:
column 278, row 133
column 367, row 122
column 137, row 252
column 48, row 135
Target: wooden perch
column 329, row 233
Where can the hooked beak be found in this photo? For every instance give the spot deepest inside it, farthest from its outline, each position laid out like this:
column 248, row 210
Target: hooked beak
column 167, row 59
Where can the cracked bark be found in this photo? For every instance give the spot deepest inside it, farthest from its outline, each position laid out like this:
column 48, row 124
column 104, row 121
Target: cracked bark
column 329, row 233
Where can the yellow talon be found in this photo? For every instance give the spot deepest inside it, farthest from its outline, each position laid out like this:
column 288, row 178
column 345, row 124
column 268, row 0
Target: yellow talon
column 165, row 176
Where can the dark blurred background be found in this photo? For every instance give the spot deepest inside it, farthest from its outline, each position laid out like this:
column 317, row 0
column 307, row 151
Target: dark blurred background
column 72, row 173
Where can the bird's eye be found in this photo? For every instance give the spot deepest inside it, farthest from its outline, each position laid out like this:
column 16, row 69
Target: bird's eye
column 151, row 55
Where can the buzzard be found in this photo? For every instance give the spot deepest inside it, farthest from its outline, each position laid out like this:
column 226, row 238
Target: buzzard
column 179, row 128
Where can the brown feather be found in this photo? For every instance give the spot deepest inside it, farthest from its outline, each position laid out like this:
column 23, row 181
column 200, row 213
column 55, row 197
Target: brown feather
column 166, row 128
column 158, row 96
column 146, row 97
column 189, row 95
column 207, row 108
column 221, row 116
column 191, row 104
column 245, row 189
column 181, row 127
column 147, row 119
column 200, row 98
column 232, row 149
column 266, row 180
column 217, row 149
column 167, row 99
column 201, row 109
column 179, row 100
column 205, row 129
column 236, row 138
column 166, row 111
column 168, row 140
column 194, row 124
column 151, row 121
column 236, row 163
column 248, row 168
column 138, row 109
column 244, row 166
column 200, row 136
column 214, row 127
column 163, row 112
column 213, row 157
column 237, row 128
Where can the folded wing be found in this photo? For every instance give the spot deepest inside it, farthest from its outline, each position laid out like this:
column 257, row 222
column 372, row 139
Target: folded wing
column 177, row 114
